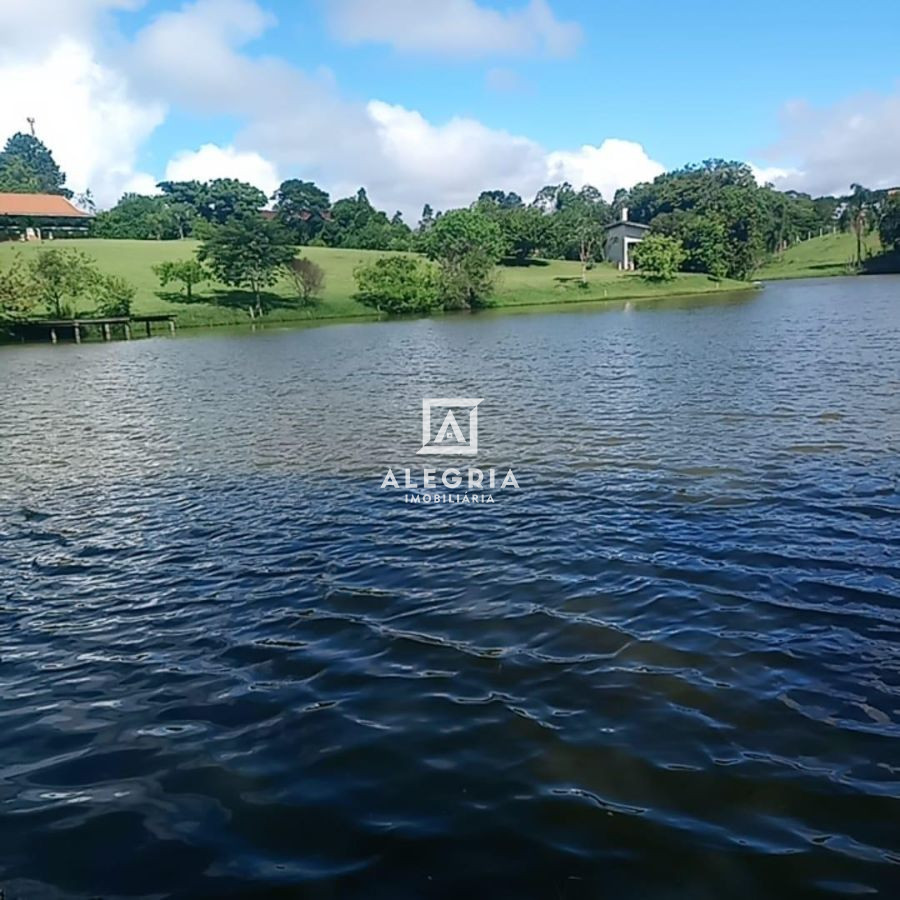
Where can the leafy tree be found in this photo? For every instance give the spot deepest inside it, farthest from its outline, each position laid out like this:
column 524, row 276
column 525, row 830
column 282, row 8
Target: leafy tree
column 188, row 272
column 26, row 165
column 247, row 251
column 188, row 200
column 355, row 223
column 60, row 278
column 113, row 296
column 717, row 202
column 140, row 218
column 889, row 226
column 467, row 245
column 228, row 197
column 553, row 197
column 307, row 277
column 499, row 199
column 303, row 208
column 659, row 257
column 17, row 294
column 16, row 177
column 581, row 223
column 525, row 229
column 427, row 219
column 397, row 285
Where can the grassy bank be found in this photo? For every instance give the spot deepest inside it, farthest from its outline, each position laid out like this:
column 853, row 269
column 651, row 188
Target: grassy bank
column 541, row 283
column 831, row 254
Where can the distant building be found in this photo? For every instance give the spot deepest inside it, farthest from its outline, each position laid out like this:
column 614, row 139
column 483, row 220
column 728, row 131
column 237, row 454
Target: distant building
column 33, row 217
column 621, row 237
column 891, row 192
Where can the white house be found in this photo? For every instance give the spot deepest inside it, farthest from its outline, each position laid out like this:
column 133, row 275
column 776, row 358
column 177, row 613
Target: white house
column 621, row 236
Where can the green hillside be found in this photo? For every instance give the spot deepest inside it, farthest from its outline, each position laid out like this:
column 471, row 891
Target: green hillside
column 542, row 282
column 832, row 254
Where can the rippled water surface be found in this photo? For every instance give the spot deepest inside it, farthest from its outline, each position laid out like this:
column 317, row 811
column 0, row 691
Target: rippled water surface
column 668, row 666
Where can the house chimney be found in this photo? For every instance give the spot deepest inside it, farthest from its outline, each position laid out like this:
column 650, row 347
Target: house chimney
column 624, row 213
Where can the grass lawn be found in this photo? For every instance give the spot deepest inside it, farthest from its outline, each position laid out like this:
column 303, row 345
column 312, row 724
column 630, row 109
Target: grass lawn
column 543, row 282
column 831, row 254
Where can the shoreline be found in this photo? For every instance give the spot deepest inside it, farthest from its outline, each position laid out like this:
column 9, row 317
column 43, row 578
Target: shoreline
column 537, row 306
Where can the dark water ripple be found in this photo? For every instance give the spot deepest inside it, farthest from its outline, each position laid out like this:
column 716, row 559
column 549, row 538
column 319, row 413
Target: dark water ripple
column 230, row 665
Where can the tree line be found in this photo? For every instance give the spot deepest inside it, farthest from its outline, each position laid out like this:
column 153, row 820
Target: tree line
column 712, row 217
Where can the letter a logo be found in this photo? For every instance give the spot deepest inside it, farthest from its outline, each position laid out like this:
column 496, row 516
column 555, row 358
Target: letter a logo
column 450, row 439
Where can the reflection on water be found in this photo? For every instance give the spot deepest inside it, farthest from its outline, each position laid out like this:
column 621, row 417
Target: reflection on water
column 668, row 666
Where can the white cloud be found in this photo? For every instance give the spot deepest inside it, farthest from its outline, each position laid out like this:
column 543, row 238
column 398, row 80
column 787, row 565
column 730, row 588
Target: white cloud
column 212, row 161
column 614, row 164
column 771, row 174
column 85, row 113
column 192, row 54
column 298, row 125
column 462, row 28
column 96, row 106
column 26, row 27
column 829, row 147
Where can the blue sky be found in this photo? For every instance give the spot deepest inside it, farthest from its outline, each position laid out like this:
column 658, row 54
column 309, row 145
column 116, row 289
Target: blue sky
column 807, row 92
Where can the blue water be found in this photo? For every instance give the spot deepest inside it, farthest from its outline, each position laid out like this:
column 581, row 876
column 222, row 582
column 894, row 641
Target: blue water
column 231, row 665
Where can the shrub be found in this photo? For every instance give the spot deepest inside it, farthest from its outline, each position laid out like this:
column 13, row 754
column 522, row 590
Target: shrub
column 397, row 285
column 113, row 295
column 17, row 297
column 659, row 257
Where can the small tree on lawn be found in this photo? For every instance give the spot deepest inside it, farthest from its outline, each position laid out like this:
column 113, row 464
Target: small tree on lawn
column 307, row 277
column 60, row 278
column 659, row 257
column 247, row 252
column 187, row 272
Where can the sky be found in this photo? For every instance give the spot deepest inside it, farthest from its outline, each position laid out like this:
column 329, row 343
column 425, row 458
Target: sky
column 433, row 101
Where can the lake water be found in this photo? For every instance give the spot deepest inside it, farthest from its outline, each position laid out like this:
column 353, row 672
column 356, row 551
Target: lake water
column 231, row 665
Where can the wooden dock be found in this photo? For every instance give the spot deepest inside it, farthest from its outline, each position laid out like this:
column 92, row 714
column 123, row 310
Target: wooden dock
column 41, row 329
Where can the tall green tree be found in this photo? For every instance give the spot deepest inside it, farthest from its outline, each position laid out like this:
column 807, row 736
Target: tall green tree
column 248, row 251
column 889, row 225
column 467, row 245
column 860, row 214
column 581, row 222
column 303, row 208
column 26, row 166
column 140, row 218
column 228, row 197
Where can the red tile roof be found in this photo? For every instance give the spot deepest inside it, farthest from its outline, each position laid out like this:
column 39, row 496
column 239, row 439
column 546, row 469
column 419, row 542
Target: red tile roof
column 45, row 205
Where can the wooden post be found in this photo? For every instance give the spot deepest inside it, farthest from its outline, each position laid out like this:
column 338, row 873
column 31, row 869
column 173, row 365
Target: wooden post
column 77, row 329
column 106, row 335
column 127, row 331
column 147, row 323
column 53, row 338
